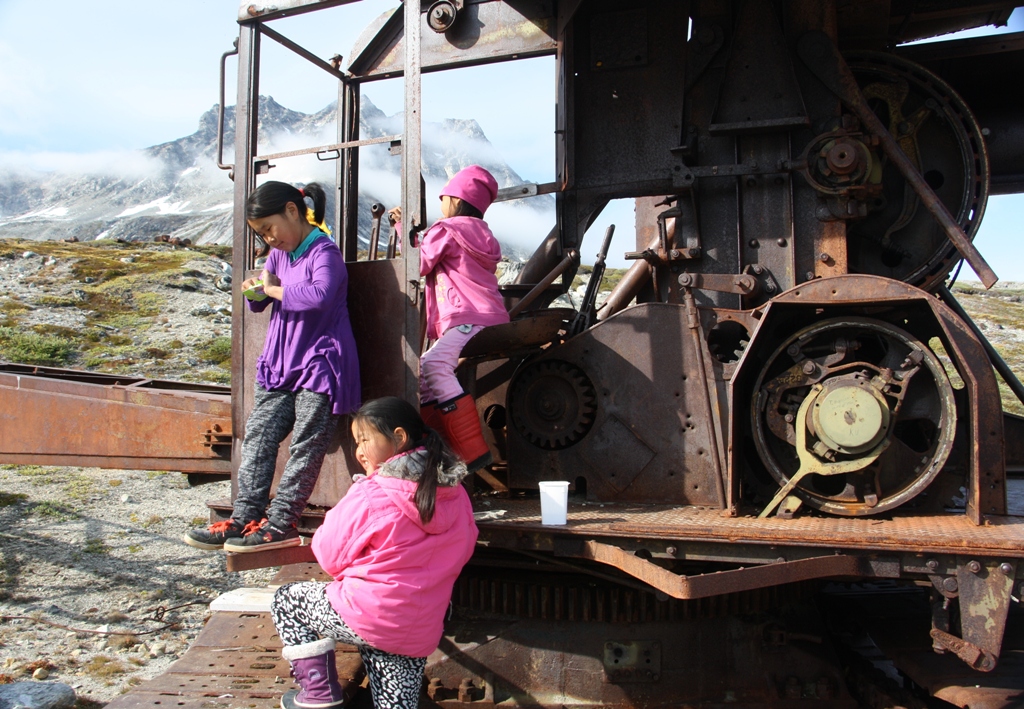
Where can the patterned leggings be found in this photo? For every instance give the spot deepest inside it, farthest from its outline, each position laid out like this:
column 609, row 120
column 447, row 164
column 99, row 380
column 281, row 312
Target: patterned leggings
column 303, row 614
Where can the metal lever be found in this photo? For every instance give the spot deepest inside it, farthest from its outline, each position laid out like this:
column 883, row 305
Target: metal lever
column 376, row 212
column 585, row 317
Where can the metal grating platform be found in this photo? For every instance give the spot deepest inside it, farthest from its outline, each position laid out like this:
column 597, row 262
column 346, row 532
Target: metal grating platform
column 936, row 533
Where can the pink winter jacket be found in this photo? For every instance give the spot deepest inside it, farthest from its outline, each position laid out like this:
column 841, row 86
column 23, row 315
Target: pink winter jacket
column 459, row 256
column 393, row 575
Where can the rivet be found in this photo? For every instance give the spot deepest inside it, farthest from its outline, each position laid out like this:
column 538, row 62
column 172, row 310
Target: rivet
column 671, row 551
column 973, row 566
column 754, row 243
column 932, row 564
column 1007, row 569
column 781, row 242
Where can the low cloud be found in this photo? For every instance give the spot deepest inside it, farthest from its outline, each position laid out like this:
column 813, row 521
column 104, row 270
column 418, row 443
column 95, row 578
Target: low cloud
column 107, row 163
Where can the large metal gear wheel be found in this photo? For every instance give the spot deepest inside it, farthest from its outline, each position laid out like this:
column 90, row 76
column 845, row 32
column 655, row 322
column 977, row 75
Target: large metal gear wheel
column 552, row 404
column 899, row 238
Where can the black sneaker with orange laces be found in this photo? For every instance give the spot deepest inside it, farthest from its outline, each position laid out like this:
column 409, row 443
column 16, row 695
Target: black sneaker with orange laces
column 262, row 535
column 214, row 536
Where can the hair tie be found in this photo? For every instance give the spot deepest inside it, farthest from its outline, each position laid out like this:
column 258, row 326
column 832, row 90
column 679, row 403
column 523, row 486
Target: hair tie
column 302, row 192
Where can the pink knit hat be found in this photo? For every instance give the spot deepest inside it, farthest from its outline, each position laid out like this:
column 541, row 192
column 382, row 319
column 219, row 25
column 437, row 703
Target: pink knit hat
column 474, row 185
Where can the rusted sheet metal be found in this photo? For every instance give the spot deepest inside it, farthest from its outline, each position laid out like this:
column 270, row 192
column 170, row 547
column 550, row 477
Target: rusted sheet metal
column 939, row 533
column 985, row 589
column 482, row 32
column 63, row 417
column 1013, row 437
column 714, row 584
column 235, row 661
column 376, row 305
column 568, row 422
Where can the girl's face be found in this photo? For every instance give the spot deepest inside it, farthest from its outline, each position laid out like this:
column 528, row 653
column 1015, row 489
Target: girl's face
column 373, row 446
column 281, row 231
column 449, row 205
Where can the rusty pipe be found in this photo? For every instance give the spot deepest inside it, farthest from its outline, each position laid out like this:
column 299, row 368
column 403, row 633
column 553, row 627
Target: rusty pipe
column 571, row 258
column 626, row 289
column 376, row 212
column 822, row 57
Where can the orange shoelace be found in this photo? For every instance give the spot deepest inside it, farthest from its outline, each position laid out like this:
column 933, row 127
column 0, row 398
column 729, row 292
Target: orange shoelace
column 253, row 527
column 221, row 527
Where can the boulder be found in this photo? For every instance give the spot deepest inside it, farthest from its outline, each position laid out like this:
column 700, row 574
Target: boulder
column 36, row 695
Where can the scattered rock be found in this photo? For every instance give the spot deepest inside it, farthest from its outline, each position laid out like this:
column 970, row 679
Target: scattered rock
column 223, row 283
column 128, row 259
column 37, row 695
column 202, row 311
column 127, row 499
column 29, row 254
column 226, row 267
column 41, row 673
column 70, row 240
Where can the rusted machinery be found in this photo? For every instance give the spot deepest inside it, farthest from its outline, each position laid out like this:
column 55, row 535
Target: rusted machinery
column 780, row 393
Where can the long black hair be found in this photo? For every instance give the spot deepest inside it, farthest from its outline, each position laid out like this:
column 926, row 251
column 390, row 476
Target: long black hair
column 272, row 198
column 386, row 414
column 465, row 209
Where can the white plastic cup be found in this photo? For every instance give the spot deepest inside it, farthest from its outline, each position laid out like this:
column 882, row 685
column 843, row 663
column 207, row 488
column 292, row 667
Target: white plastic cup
column 554, row 501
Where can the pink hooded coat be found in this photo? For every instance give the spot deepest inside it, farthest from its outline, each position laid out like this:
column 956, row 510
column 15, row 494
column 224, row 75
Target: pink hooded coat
column 459, row 257
column 393, row 574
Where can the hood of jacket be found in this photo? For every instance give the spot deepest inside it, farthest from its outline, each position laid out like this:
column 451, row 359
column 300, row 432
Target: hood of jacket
column 476, row 239
column 399, row 477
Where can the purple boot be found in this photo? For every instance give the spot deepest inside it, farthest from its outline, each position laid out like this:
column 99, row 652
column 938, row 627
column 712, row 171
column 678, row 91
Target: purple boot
column 315, row 671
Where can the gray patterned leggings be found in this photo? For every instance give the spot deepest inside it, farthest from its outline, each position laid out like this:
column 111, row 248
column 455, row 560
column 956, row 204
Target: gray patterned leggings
column 303, row 614
column 307, row 416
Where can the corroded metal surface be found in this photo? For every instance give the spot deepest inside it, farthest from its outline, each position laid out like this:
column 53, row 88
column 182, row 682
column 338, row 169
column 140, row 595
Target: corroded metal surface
column 936, row 533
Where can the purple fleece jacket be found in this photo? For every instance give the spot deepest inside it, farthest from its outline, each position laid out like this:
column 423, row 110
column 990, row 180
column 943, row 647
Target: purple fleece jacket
column 459, row 256
column 309, row 341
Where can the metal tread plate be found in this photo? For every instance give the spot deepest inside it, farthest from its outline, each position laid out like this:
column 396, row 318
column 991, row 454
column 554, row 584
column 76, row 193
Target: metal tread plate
column 904, row 532
column 235, row 661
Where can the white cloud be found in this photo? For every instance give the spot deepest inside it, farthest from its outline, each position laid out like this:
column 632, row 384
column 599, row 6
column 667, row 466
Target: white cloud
column 114, row 163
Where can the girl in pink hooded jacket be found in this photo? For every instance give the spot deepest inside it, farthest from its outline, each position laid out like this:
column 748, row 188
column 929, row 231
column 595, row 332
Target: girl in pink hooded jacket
column 394, row 544
column 458, row 256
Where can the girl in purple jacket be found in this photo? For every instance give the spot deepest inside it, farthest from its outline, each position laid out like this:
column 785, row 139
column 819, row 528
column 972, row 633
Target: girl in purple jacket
column 458, row 256
column 394, row 545
column 306, row 377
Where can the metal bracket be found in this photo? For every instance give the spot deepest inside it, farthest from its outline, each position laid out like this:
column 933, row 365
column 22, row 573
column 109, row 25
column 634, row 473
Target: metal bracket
column 985, row 587
column 743, row 284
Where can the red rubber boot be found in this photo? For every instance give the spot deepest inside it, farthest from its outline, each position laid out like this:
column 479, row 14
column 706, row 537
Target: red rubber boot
column 460, row 427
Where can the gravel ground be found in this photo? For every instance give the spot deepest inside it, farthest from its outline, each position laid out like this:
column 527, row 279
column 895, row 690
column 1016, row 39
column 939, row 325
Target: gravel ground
column 99, row 550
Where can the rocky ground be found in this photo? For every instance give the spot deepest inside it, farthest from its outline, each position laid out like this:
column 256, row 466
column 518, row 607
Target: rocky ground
column 96, row 589
column 85, row 553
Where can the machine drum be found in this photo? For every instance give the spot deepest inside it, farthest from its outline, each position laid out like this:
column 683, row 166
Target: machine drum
column 898, row 237
column 854, row 416
column 552, row 404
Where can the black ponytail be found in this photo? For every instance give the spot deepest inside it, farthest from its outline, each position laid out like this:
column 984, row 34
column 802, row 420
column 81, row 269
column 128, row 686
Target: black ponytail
column 386, row 414
column 273, row 197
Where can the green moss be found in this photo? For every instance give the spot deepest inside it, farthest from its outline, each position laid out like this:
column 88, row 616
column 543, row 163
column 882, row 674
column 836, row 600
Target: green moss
column 58, row 301
column 95, row 546
column 54, row 511
column 7, row 499
column 13, row 307
column 216, row 351
column 31, row 348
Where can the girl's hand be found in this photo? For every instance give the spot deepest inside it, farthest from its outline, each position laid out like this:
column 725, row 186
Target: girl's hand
column 249, row 283
column 272, row 285
column 394, row 215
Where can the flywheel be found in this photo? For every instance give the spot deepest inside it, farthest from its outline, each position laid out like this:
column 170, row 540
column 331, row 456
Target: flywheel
column 898, row 237
column 854, row 416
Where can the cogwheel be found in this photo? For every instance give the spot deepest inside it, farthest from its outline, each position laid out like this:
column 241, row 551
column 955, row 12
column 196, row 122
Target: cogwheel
column 552, row 404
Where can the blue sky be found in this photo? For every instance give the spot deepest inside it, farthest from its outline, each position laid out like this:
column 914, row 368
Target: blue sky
column 81, row 82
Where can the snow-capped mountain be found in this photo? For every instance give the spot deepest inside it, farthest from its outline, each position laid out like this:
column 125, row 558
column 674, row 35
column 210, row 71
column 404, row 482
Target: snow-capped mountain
column 176, row 188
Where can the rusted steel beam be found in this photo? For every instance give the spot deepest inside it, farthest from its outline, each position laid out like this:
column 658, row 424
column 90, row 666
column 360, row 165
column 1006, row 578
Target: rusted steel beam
column 715, row 584
column 63, row 417
column 271, row 557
